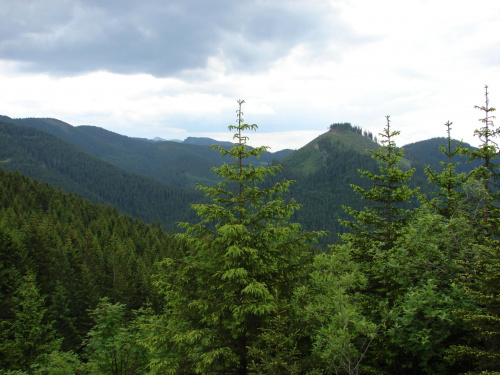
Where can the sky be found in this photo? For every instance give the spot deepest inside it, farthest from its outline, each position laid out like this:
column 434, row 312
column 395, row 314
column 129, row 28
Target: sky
column 176, row 68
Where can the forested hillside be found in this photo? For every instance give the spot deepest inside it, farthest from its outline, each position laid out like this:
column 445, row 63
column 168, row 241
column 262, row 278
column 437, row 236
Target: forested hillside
column 323, row 170
column 47, row 158
column 411, row 287
column 183, row 164
column 60, row 255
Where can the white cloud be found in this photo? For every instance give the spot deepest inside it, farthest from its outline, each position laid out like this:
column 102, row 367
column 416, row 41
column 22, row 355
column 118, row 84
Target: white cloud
column 422, row 62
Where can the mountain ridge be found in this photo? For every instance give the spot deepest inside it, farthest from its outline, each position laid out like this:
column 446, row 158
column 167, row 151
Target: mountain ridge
column 324, row 170
column 162, row 161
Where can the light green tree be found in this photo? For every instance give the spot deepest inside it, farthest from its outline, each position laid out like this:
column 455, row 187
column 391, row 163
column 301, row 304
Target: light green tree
column 219, row 297
column 332, row 315
column 112, row 346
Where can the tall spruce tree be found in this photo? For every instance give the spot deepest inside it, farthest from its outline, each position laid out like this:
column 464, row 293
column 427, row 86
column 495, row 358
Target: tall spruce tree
column 221, row 296
column 377, row 226
column 450, row 196
column 374, row 232
column 487, row 152
column 482, row 275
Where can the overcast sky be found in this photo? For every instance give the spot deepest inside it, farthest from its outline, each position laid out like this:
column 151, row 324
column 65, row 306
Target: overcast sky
column 175, row 68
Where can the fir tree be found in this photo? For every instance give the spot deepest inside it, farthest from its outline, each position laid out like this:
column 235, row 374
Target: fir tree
column 378, row 224
column 450, row 196
column 487, row 153
column 29, row 335
column 374, row 232
column 481, row 277
column 220, row 298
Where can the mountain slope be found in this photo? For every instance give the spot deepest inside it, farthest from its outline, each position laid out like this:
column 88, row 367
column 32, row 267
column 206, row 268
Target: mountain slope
column 428, row 153
column 42, row 156
column 164, row 161
column 312, row 157
column 326, row 168
column 323, row 171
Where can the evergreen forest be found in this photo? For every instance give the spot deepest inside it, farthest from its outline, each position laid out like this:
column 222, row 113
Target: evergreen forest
column 301, row 265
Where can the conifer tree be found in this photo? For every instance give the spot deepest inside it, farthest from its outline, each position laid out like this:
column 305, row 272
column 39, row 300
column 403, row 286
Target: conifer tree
column 481, row 277
column 374, row 232
column 378, row 224
column 112, row 345
column 220, row 298
column 29, row 334
column 450, row 196
column 487, row 152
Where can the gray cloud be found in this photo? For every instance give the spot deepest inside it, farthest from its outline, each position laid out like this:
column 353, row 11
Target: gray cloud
column 158, row 37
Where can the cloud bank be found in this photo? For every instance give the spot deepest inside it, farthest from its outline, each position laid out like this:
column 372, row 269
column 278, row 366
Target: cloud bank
column 161, row 38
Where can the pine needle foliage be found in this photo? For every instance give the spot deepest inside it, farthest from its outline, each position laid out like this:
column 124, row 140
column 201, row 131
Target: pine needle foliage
column 482, row 277
column 378, row 223
column 219, row 297
column 487, row 152
column 450, row 195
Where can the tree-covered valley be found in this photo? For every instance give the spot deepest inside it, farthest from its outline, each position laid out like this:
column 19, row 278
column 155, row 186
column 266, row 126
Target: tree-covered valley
column 348, row 256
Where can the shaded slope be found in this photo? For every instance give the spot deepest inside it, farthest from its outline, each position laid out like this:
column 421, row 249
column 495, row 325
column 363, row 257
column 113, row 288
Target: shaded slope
column 48, row 158
column 428, row 153
column 182, row 164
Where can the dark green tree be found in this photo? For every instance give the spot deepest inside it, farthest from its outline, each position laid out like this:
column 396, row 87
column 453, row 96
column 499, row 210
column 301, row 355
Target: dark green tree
column 219, row 297
column 374, row 233
column 487, row 152
column 29, row 334
column 450, row 196
column 378, row 225
column 481, row 276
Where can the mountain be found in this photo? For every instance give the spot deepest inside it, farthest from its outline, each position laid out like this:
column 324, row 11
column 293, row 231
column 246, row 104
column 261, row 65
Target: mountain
column 428, row 153
column 323, row 170
column 313, row 157
column 203, row 141
column 182, row 164
column 48, row 158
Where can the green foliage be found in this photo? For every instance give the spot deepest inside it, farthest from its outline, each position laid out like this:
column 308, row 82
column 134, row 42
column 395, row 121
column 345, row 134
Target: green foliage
column 422, row 294
column 28, row 335
column 219, row 297
column 59, row 363
column 450, row 195
column 482, row 283
column 332, row 315
column 379, row 224
column 276, row 351
column 79, row 253
column 112, row 345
